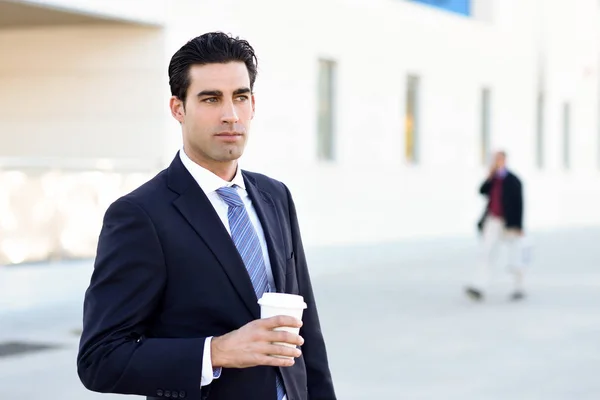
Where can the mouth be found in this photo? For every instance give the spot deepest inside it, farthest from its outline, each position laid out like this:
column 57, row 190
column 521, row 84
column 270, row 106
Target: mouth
column 229, row 136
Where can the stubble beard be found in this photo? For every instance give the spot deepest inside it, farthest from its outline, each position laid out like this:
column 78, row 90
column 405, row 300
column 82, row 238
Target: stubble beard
column 231, row 153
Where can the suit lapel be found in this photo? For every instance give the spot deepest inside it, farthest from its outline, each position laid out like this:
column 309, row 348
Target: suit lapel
column 200, row 214
column 267, row 214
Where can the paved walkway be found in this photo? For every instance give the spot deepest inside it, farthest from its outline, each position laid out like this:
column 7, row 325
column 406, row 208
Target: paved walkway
column 395, row 320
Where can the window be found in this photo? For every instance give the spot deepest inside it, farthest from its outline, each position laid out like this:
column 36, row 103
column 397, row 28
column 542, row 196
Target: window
column 412, row 120
column 566, row 120
column 539, row 142
column 326, row 110
column 485, row 126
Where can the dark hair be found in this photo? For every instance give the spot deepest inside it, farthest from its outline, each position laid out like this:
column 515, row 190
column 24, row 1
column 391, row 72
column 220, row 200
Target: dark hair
column 209, row 48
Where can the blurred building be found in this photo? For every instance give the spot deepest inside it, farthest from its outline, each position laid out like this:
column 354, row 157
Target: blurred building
column 380, row 115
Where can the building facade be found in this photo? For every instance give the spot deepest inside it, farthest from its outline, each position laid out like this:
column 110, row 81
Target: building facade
column 380, row 115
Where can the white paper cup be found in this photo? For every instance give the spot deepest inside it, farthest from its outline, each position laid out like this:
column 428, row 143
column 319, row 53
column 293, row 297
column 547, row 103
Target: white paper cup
column 273, row 304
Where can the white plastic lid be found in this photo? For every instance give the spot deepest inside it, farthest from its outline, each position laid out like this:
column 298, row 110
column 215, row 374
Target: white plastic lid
column 283, row 300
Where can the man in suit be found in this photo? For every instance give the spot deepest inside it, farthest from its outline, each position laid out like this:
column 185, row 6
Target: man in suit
column 171, row 310
column 502, row 221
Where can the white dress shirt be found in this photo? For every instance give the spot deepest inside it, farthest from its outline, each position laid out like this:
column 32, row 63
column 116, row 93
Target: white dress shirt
column 209, row 183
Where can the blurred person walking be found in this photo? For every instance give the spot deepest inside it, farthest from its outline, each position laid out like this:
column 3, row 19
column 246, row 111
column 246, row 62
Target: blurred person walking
column 171, row 310
column 502, row 222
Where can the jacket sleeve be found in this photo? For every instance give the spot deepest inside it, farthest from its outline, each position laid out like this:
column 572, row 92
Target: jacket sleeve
column 320, row 384
column 485, row 187
column 116, row 353
column 519, row 203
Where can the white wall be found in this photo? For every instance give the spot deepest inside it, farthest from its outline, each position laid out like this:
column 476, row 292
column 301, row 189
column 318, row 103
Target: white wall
column 369, row 193
column 376, row 44
column 81, row 93
column 74, row 100
column 103, row 92
column 149, row 12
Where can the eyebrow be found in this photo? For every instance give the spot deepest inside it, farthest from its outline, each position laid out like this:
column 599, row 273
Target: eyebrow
column 218, row 93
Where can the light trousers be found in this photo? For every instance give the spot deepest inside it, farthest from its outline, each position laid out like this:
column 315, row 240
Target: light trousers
column 494, row 235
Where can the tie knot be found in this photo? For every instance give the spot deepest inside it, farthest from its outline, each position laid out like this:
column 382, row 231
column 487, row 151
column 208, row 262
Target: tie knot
column 230, row 196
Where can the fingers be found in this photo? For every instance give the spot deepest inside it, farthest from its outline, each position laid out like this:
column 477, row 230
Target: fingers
column 279, row 321
column 275, row 353
column 271, row 361
column 283, row 337
column 282, row 351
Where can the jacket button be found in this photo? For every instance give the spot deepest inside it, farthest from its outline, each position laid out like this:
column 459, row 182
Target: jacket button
column 182, row 395
column 159, row 393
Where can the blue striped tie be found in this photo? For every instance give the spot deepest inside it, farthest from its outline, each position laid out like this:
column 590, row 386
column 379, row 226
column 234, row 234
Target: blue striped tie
column 246, row 241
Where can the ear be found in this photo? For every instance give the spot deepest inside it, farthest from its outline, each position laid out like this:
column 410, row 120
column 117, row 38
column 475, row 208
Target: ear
column 177, row 109
column 253, row 106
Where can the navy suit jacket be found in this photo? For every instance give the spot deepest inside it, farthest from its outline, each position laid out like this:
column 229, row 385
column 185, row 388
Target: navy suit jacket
column 167, row 275
column 512, row 200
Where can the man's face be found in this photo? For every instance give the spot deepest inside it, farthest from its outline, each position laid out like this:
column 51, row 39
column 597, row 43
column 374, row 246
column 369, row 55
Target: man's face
column 217, row 113
column 500, row 160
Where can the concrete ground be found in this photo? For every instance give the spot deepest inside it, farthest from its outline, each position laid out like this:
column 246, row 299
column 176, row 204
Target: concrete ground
column 394, row 317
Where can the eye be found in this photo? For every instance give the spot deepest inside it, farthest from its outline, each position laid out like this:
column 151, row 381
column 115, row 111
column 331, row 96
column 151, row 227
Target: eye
column 210, row 100
column 242, row 98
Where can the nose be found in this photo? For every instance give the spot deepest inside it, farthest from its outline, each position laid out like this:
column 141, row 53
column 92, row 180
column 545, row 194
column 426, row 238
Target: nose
column 229, row 114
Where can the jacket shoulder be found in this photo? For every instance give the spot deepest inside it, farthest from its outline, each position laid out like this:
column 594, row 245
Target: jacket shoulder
column 266, row 183
column 148, row 192
column 513, row 177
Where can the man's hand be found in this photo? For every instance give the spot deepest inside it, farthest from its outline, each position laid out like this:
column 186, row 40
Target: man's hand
column 252, row 344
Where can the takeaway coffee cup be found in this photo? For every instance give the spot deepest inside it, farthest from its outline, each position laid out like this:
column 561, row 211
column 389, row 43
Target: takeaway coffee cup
column 273, row 304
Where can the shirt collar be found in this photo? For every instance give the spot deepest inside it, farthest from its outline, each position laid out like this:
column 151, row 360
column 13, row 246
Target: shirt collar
column 208, row 181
